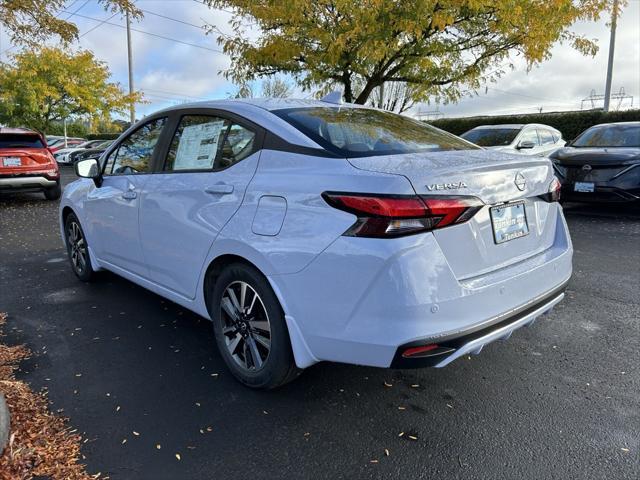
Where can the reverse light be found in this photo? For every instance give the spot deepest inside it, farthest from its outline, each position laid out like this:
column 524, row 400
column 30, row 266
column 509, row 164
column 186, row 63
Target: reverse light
column 383, row 216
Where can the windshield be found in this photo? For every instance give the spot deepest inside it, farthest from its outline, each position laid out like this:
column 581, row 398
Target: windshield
column 20, row 140
column 491, row 137
column 609, row 136
column 362, row 132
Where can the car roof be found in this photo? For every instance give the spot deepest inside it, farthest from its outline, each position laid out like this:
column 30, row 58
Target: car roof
column 18, row 131
column 516, row 125
column 617, row 123
column 269, row 104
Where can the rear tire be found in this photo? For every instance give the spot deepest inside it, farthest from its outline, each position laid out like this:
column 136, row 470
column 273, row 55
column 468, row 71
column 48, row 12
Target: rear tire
column 250, row 329
column 53, row 193
column 78, row 249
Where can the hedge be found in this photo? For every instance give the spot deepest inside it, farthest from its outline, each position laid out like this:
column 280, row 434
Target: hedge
column 569, row 123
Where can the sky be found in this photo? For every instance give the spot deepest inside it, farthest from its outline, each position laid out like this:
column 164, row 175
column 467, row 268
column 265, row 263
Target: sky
column 170, row 72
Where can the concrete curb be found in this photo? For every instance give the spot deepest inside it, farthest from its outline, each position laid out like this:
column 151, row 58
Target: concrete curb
column 4, row 423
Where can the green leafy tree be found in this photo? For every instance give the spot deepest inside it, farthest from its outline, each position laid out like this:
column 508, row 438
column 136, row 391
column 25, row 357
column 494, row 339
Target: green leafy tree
column 436, row 47
column 29, row 22
column 50, row 84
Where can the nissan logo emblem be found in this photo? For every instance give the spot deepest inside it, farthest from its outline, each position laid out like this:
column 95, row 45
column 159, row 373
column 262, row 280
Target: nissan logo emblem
column 586, row 168
column 520, row 181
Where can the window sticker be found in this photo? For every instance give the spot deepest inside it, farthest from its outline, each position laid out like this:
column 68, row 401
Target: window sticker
column 198, row 146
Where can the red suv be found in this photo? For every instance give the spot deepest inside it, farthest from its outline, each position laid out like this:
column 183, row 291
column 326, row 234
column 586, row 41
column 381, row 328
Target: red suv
column 26, row 164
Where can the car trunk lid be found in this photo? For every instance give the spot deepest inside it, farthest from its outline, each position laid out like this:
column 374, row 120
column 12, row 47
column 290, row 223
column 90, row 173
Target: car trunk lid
column 495, row 179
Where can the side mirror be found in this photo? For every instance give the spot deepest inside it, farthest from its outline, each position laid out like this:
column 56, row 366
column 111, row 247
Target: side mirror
column 525, row 144
column 89, row 169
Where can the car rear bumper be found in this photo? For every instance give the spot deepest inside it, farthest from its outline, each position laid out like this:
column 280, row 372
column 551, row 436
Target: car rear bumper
column 471, row 342
column 603, row 194
column 26, row 182
column 364, row 300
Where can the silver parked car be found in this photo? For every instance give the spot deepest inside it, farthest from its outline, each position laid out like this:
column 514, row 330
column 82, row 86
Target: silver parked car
column 527, row 139
column 311, row 231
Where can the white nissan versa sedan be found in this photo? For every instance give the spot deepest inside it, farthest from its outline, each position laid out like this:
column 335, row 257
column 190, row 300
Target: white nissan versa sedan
column 310, row 231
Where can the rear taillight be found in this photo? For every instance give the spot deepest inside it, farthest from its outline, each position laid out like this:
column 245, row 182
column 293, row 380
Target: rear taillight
column 553, row 195
column 381, row 216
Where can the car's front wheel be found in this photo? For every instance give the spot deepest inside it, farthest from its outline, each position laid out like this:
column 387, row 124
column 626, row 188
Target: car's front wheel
column 77, row 249
column 250, row 329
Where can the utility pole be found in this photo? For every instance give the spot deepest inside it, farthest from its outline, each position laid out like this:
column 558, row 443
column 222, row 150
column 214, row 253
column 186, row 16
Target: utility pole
column 612, row 46
column 130, row 57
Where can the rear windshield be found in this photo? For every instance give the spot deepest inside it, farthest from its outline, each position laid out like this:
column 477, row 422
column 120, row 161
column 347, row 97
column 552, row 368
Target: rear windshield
column 361, row 132
column 20, row 140
column 491, row 137
column 609, row 136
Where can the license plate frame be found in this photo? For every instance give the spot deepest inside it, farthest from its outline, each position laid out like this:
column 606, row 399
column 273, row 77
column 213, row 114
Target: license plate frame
column 11, row 162
column 517, row 217
column 584, row 187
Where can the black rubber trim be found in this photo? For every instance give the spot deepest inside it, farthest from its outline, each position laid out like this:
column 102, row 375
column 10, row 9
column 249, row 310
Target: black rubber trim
column 457, row 340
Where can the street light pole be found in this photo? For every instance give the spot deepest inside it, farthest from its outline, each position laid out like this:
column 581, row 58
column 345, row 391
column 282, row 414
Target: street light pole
column 612, row 46
column 130, row 58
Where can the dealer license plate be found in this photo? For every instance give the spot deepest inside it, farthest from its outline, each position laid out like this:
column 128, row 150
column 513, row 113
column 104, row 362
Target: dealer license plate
column 11, row 161
column 585, row 187
column 509, row 222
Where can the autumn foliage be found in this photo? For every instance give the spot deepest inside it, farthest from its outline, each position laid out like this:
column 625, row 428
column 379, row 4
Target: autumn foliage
column 437, row 47
column 40, row 443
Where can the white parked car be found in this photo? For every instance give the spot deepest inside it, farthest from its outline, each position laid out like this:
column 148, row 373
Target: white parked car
column 527, row 139
column 63, row 156
column 309, row 231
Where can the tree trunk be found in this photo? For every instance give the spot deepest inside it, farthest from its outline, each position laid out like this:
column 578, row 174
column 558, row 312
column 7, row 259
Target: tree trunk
column 366, row 92
column 348, row 92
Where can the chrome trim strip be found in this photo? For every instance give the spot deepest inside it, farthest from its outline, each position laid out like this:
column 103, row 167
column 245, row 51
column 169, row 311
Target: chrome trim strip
column 475, row 346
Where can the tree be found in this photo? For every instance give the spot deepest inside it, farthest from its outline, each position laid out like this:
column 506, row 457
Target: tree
column 50, row 84
column 29, row 22
column 394, row 96
column 274, row 87
column 437, row 47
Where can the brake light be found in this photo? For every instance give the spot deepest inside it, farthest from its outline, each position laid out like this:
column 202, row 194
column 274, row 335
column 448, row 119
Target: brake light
column 381, row 216
column 553, row 195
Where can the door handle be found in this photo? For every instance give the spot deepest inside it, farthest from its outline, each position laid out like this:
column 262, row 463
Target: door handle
column 219, row 189
column 129, row 195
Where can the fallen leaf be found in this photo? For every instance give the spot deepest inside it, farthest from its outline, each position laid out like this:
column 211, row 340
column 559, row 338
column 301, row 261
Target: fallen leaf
column 386, row 452
column 373, row 461
column 412, row 437
column 401, row 434
column 136, row 433
column 158, row 446
column 388, row 385
column 178, row 456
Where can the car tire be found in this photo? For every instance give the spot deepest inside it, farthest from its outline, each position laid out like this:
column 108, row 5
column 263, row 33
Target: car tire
column 242, row 334
column 53, row 193
column 78, row 249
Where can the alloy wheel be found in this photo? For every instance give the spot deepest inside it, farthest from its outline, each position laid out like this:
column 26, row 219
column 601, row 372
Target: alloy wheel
column 245, row 326
column 77, row 247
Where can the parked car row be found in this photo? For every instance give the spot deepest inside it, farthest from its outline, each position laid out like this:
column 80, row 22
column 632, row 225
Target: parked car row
column 601, row 164
column 67, row 156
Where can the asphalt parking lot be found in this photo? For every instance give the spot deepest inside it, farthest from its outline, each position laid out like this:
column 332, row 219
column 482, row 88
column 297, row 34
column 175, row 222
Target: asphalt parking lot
column 559, row 400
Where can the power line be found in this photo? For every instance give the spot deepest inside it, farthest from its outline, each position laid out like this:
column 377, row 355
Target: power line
column 153, row 34
column 199, row 27
column 102, row 22
column 181, row 95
